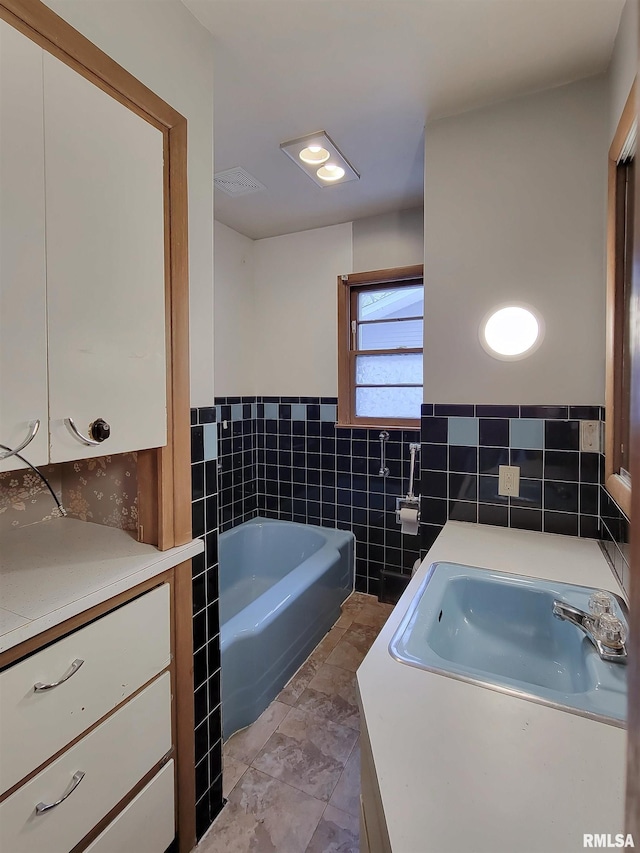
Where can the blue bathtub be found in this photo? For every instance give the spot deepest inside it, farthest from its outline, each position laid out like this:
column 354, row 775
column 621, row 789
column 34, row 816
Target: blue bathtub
column 281, row 587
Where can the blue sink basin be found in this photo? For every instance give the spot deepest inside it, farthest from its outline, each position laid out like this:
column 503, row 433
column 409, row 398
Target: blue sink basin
column 499, row 631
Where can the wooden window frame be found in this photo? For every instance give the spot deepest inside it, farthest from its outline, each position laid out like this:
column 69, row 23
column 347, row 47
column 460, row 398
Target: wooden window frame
column 347, row 289
column 618, row 487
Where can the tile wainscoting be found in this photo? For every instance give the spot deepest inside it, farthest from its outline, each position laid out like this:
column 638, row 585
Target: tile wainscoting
column 284, row 458
column 615, row 537
column 206, row 621
column 561, row 487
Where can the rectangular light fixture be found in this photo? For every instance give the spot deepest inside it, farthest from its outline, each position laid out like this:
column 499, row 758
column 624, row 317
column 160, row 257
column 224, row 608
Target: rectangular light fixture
column 320, row 158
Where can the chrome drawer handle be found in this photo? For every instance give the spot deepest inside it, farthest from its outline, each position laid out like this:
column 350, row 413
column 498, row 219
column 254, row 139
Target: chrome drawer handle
column 75, row 666
column 78, row 776
column 33, row 429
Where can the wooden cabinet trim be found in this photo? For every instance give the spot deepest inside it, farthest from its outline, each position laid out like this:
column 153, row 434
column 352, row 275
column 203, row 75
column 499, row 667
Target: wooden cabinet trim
column 164, row 490
column 164, row 486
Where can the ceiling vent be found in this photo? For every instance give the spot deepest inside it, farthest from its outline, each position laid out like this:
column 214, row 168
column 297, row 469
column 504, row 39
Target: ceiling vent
column 235, row 182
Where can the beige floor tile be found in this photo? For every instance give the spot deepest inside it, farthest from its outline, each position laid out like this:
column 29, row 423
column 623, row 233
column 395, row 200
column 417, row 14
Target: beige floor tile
column 263, row 815
column 232, row 771
column 373, row 615
column 337, row 832
column 357, row 600
column 346, row 795
column 328, row 643
column 352, row 648
column 307, row 752
column 344, row 621
column 300, row 681
column 331, row 695
column 245, row 745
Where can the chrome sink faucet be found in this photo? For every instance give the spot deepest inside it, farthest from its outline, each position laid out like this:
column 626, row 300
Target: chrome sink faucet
column 601, row 625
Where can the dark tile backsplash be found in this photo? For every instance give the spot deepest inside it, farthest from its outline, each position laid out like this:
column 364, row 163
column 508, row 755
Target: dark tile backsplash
column 206, row 623
column 561, row 488
column 615, row 536
column 284, row 457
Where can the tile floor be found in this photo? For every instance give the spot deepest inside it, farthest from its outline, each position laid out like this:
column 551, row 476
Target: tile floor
column 292, row 779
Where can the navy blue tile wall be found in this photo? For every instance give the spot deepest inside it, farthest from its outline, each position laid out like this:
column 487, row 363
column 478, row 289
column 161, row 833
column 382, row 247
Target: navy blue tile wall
column 561, row 489
column 284, row 457
column 615, row 537
column 463, row 447
column 206, row 622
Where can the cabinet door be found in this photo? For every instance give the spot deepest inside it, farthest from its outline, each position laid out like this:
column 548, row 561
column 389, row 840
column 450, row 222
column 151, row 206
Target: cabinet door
column 105, row 268
column 23, row 329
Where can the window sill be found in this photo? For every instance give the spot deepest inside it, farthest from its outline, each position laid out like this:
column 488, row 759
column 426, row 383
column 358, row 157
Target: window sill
column 407, row 425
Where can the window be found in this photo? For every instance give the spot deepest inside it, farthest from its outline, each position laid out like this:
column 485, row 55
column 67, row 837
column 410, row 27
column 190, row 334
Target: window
column 380, row 328
column 619, row 275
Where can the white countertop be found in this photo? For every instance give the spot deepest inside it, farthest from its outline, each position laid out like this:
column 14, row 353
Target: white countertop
column 465, row 769
column 52, row 571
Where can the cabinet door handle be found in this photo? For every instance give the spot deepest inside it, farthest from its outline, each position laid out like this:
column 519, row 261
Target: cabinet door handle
column 75, row 666
column 78, row 776
column 73, row 429
column 33, row 429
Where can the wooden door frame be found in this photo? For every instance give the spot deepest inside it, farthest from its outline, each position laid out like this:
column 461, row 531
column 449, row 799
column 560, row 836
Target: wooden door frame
column 633, row 722
column 615, row 485
column 164, row 474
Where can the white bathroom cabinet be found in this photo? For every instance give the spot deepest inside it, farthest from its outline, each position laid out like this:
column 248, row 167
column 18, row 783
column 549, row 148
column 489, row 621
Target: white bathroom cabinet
column 82, row 321
column 107, row 727
column 23, row 294
column 373, row 830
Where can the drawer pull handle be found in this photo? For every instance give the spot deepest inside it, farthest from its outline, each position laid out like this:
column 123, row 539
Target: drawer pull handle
column 75, row 666
column 78, row 776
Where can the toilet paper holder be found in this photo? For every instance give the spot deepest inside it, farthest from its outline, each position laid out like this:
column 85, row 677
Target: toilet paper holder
column 407, row 503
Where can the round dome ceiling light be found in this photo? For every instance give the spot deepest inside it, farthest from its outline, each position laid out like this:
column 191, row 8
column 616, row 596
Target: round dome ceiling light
column 330, row 172
column 511, row 332
column 314, row 155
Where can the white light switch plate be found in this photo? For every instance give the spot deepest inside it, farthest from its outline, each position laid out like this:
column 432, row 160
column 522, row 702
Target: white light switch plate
column 590, row 436
column 509, row 480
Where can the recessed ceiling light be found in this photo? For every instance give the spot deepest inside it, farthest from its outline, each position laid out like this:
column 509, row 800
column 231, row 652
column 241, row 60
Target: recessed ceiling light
column 511, row 332
column 314, row 155
column 330, row 172
column 317, row 149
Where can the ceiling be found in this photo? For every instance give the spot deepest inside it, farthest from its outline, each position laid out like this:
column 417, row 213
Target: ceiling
column 371, row 73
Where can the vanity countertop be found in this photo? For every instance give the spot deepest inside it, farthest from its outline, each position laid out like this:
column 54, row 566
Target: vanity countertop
column 465, row 769
column 52, row 571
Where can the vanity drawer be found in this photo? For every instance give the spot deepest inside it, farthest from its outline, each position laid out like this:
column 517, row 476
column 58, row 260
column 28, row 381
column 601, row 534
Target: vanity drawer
column 121, row 651
column 147, row 824
column 113, row 757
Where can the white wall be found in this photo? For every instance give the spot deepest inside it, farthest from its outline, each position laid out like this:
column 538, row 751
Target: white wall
column 164, row 46
column 515, row 209
column 295, row 340
column 624, row 64
column 234, row 343
column 276, row 304
column 389, row 240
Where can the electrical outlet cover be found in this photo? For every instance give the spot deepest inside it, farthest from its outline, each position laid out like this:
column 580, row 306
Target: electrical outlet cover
column 509, row 480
